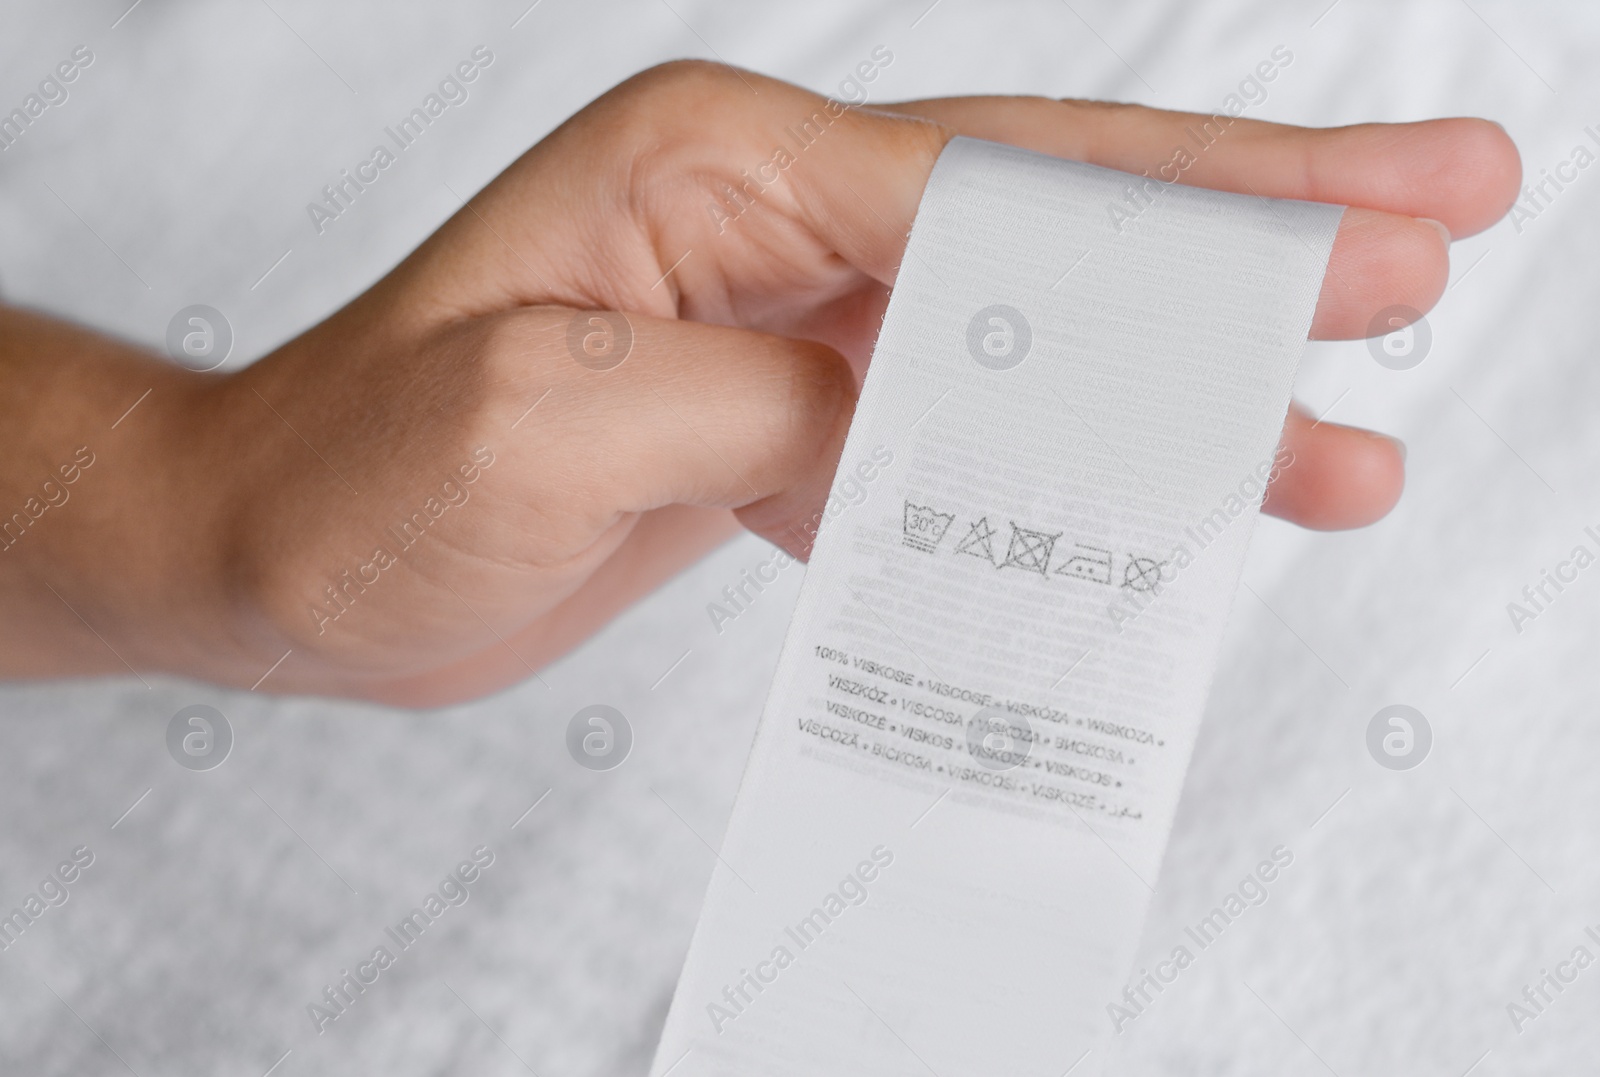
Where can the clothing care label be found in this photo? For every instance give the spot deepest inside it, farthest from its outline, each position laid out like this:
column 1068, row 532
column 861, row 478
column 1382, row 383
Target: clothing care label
column 949, row 829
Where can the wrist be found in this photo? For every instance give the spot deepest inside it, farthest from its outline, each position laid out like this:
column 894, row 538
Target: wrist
column 109, row 511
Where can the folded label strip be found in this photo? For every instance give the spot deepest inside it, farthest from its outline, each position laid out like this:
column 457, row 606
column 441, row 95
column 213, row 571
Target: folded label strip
column 951, row 822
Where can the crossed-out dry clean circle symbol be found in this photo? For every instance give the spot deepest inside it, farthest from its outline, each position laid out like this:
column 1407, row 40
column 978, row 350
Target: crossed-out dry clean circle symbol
column 1142, row 574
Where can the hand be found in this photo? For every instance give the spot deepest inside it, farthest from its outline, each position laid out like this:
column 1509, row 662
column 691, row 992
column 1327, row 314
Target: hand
column 545, row 495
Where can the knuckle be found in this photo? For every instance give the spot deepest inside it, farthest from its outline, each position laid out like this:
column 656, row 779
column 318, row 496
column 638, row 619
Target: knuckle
column 690, row 78
column 511, row 355
column 679, row 89
column 915, row 140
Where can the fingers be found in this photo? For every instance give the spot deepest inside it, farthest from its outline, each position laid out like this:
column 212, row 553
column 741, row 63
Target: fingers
column 726, row 418
column 635, row 413
column 1379, row 260
column 791, row 201
column 664, row 213
column 1340, row 476
column 1462, row 172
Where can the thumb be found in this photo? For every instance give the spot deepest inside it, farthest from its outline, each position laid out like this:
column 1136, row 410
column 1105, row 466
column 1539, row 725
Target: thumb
column 645, row 412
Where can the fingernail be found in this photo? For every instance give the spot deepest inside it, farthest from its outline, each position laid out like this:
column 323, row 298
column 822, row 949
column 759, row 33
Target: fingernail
column 1399, row 447
column 1443, row 231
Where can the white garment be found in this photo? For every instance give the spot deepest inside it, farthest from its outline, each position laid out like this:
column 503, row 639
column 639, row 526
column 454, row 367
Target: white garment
column 213, row 915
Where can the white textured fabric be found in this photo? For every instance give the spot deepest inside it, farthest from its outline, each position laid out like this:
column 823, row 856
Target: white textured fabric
column 965, row 776
column 1410, row 918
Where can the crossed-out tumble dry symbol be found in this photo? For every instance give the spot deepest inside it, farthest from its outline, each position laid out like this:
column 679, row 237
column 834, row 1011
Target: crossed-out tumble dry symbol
column 1030, row 550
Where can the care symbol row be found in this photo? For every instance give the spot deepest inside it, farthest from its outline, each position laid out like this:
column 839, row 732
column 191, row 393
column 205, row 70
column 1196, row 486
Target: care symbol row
column 925, row 529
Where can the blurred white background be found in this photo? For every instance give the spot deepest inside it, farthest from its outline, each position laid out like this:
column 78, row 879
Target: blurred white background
column 1418, row 905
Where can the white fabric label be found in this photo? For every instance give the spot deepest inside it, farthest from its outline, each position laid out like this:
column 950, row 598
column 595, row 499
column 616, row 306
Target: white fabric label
column 944, row 845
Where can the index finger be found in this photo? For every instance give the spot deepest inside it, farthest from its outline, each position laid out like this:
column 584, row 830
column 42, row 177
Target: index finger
column 1462, row 172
